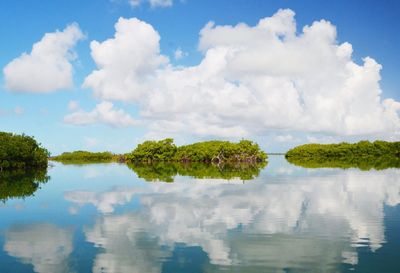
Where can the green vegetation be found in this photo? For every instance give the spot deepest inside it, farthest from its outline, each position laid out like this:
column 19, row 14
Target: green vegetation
column 206, row 152
column 166, row 171
column 363, row 155
column 84, row 157
column 21, row 183
column 21, row 152
column 163, row 150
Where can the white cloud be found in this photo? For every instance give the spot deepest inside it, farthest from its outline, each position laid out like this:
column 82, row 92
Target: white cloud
column 179, row 54
column 48, row 67
column 103, row 113
column 125, row 62
column 252, row 79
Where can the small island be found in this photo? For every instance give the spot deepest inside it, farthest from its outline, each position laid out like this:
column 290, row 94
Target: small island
column 215, row 151
column 364, row 155
column 162, row 160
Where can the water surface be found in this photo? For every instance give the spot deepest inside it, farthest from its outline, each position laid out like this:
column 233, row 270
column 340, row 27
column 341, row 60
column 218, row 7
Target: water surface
column 283, row 218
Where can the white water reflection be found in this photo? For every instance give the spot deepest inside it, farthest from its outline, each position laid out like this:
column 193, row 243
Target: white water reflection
column 45, row 246
column 126, row 248
column 323, row 216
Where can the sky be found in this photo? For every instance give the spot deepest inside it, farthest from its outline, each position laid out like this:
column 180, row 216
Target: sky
column 109, row 74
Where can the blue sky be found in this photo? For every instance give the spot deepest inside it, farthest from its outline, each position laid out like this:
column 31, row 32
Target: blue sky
column 371, row 27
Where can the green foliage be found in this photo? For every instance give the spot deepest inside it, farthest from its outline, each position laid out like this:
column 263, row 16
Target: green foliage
column 166, row 171
column 20, row 152
column 364, row 155
column 208, row 151
column 148, row 151
column 82, row 157
column 21, row 183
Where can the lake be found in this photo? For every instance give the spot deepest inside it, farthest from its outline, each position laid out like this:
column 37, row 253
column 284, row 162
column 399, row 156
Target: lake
column 118, row 218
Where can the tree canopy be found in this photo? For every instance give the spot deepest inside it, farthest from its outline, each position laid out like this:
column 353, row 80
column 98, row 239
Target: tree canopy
column 20, row 152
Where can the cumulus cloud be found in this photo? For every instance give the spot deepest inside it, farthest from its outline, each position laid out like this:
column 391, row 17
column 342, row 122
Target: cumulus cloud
column 126, row 62
column 103, row 113
column 47, row 67
column 251, row 80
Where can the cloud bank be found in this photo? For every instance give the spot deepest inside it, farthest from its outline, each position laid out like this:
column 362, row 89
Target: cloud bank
column 47, row 67
column 251, row 80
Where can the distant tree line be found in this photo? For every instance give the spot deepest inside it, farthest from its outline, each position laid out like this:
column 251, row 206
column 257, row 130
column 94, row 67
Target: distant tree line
column 364, row 155
column 21, row 152
column 207, row 151
column 77, row 157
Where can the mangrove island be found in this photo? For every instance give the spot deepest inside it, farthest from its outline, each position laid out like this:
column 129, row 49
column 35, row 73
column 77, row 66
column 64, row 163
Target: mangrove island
column 207, row 152
column 364, row 155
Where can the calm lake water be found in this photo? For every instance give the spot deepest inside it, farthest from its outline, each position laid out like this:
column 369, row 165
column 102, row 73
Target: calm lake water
column 104, row 218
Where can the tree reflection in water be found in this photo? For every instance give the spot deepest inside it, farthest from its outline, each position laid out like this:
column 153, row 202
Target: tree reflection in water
column 166, row 171
column 365, row 163
column 21, row 183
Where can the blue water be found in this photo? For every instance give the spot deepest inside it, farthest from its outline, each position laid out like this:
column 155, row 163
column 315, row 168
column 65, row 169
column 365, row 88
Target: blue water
column 103, row 218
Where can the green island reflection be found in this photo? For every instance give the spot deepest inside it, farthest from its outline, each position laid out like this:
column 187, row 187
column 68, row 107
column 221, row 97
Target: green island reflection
column 363, row 163
column 166, row 171
column 21, row 183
